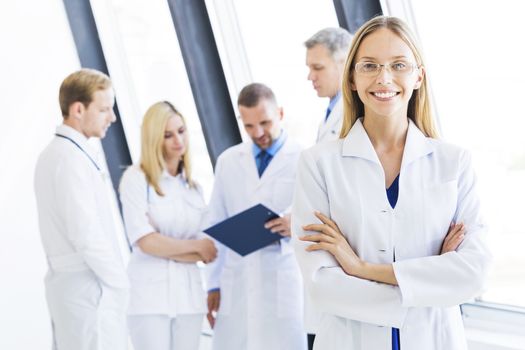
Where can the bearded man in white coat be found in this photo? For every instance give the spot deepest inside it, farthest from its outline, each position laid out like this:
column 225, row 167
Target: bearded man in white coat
column 86, row 284
column 255, row 302
column 326, row 53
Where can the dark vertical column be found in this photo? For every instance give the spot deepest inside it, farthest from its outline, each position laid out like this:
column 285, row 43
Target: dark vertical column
column 207, row 80
column 351, row 14
column 87, row 42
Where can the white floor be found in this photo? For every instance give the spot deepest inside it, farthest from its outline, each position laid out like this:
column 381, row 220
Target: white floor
column 205, row 343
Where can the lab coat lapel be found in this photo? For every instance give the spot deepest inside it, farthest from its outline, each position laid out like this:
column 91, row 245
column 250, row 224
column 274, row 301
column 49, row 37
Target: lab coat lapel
column 357, row 144
column 417, row 145
column 277, row 163
column 79, row 139
column 331, row 122
column 248, row 165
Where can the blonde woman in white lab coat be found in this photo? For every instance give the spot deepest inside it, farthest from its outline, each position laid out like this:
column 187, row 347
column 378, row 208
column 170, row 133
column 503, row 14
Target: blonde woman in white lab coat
column 372, row 210
column 163, row 208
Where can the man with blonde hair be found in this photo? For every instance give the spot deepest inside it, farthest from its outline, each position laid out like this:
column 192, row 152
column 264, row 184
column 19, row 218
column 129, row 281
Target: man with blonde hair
column 86, row 284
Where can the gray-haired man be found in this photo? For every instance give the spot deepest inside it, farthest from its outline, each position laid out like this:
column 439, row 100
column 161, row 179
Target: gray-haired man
column 325, row 57
column 326, row 53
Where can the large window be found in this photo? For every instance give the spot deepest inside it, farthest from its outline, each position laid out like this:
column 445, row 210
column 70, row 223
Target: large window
column 146, row 65
column 269, row 36
column 474, row 51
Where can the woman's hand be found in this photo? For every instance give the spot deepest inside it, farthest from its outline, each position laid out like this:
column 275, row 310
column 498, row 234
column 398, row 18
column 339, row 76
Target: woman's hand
column 332, row 240
column 206, row 249
column 454, row 237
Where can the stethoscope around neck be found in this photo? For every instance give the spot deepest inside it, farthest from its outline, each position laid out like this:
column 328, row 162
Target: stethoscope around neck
column 79, row 147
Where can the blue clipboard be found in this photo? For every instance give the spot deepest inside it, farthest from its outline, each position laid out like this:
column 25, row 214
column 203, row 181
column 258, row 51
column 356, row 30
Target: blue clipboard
column 245, row 233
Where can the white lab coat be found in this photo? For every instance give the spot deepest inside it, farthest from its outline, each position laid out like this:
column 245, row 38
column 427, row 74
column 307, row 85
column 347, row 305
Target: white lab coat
column 331, row 128
column 344, row 179
column 86, row 285
column 162, row 287
column 158, row 285
column 261, row 293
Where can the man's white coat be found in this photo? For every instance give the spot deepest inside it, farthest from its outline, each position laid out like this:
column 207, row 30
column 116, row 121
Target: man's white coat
column 86, row 285
column 331, row 128
column 261, row 293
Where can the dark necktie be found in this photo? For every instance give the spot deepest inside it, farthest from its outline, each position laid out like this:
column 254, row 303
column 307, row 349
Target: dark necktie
column 328, row 110
column 264, row 160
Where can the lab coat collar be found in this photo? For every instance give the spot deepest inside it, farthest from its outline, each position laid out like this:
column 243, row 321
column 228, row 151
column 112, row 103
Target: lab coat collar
column 73, row 134
column 181, row 177
column 166, row 174
column 274, row 147
column 277, row 163
column 286, row 148
column 358, row 144
column 78, row 137
column 417, row 145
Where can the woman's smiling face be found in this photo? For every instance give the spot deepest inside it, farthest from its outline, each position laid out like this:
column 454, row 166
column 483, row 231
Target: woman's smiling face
column 386, row 93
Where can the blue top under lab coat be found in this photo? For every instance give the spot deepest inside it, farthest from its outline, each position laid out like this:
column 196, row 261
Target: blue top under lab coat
column 392, row 193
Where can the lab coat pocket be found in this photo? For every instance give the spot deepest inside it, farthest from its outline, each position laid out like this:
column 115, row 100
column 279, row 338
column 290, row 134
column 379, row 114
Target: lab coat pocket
column 148, row 287
column 194, row 210
column 290, row 296
column 440, row 202
column 194, row 199
column 197, row 293
column 75, row 294
column 164, row 213
column 334, row 332
column 282, row 194
column 453, row 330
column 149, row 272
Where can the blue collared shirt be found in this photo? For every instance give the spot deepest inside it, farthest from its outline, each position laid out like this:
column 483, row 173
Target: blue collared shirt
column 331, row 105
column 272, row 150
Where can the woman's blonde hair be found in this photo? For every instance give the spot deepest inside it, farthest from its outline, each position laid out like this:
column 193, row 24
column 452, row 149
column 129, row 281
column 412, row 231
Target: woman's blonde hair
column 152, row 160
column 419, row 108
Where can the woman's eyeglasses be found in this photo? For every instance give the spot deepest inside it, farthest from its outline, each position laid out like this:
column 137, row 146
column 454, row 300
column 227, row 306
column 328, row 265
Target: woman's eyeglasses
column 398, row 68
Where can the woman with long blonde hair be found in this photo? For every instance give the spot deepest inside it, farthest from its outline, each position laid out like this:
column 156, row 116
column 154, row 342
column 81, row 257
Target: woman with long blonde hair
column 386, row 220
column 163, row 210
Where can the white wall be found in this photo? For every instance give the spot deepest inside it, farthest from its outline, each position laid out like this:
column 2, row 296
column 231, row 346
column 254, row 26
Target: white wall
column 37, row 53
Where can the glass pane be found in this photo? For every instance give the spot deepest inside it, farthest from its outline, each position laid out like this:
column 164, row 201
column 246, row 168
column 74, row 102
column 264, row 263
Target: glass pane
column 475, row 70
column 274, row 32
column 146, row 64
